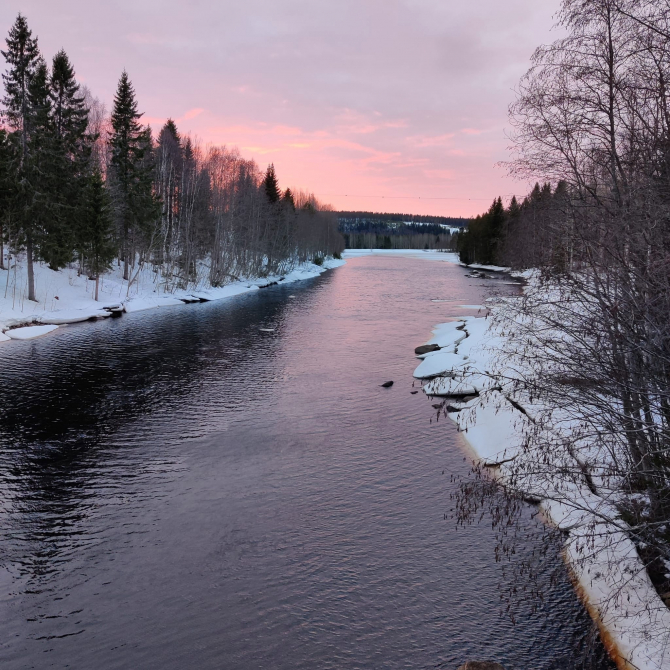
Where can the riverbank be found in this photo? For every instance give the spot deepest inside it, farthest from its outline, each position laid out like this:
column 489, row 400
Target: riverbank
column 65, row 296
column 495, row 416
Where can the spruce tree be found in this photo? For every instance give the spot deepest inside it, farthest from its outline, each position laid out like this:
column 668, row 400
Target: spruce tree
column 130, row 172
column 48, row 176
column 72, row 152
column 270, row 185
column 22, row 56
column 70, row 114
column 7, row 167
column 96, row 232
column 289, row 199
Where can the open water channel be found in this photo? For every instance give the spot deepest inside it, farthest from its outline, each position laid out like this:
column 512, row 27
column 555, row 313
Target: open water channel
column 181, row 490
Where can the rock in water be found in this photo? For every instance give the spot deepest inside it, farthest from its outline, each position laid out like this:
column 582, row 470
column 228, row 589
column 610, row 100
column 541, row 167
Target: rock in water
column 387, row 385
column 426, row 349
column 481, row 665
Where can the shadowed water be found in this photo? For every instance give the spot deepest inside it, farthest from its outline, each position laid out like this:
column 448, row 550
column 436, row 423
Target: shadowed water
column 179, row 490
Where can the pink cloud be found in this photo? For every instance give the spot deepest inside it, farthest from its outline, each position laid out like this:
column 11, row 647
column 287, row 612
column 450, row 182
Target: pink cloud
column 192, row 113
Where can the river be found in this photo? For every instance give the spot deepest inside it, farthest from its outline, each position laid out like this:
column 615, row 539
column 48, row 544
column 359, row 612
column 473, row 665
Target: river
column 181, row 490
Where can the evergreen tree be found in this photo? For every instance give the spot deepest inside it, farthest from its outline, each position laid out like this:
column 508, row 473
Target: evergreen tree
column 96, row 240
column 50, row 229
column 7, row 168
column 130, row 173
column 22, row 56
column 72, row 153
column 70, row 114
column 289, row 199
column 270, row 185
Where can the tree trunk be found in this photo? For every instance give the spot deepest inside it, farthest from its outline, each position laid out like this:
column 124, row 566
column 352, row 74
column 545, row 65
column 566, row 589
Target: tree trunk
column 97, row 285
column 31, row 271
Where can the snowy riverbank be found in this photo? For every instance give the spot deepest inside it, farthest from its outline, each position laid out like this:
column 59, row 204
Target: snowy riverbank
column 65, row 297
column 495, row 417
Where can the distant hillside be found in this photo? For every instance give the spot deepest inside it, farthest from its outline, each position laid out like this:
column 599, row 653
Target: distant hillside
column 370, row 221
column 398, row 231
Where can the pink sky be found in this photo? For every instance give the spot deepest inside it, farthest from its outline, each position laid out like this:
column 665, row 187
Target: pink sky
column 384, row 105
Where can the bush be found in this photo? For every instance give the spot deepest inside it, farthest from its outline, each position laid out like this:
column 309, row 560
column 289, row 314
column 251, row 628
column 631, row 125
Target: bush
column 318, row 260
column 337, row 256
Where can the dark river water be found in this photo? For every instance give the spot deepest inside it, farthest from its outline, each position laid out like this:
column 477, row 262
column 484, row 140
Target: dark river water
column 179, row 490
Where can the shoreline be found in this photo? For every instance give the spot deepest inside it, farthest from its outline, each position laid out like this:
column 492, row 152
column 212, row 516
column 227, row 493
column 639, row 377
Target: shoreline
column 75, row 304
column 611, row 581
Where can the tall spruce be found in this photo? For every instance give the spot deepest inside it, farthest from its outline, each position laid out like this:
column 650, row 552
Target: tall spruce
column 130, row 171
column 23, row 57
column 72, row 152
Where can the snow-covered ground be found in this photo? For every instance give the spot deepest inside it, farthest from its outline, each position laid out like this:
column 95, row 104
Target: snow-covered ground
column 495, row 420
column 65, row 297
column 423, row 254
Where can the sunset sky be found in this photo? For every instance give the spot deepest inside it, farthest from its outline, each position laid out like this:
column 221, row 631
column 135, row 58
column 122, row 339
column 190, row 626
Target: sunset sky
column 384, row 105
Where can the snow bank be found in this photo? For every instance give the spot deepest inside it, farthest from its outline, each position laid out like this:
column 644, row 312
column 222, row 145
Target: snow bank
column 29, row 332
column 611, row 578
column 65, row 296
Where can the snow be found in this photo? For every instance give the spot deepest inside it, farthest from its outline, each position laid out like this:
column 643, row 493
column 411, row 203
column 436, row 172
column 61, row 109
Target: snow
column 611, row 577
column 65, row 296
column 438, row 363
column 423, row 254
column 73, row 316
column 29, row 332
column 490, row 268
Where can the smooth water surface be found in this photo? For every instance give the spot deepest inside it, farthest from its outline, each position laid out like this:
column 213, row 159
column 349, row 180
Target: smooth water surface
column 180, row 490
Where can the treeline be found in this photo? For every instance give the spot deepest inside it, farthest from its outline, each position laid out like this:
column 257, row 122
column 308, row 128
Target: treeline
column 521, row 235
column 414, row 239
column 384, row 218
column 80, row 185
column 592, row 119
column 364, row 230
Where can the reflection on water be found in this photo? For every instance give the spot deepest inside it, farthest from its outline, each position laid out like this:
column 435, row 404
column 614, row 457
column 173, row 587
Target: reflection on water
column 180, row 489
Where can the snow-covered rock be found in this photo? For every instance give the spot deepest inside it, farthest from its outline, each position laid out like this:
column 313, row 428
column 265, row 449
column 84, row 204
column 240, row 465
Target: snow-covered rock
column 438, row 363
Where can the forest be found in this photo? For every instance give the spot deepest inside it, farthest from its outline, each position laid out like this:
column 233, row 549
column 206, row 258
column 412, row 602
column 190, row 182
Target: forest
column 371, row 230
column 591, row 123
column 81, row 185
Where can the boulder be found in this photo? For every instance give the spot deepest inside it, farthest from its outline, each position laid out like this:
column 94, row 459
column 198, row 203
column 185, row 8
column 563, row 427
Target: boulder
column 426, row 349
column 386, row 385
column 481, row 665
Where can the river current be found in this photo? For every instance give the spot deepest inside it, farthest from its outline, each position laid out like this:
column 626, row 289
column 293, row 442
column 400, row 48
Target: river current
column 179, row 489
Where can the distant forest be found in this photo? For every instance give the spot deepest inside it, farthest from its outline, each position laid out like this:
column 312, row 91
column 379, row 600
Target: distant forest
column 81, row 184
column 374, row 230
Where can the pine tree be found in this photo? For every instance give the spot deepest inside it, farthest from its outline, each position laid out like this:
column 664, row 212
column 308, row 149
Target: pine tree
column 270, row 185
column 96, row 233
column 130, row 172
